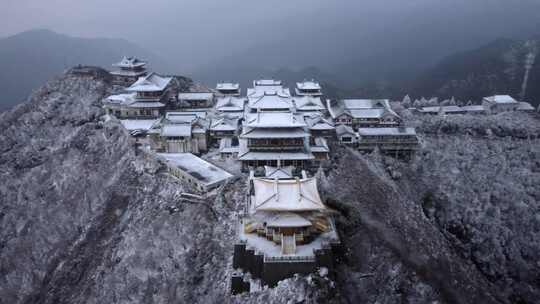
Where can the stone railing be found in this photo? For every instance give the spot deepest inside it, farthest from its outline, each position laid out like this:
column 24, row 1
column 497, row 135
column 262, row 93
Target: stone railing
column 291, row 258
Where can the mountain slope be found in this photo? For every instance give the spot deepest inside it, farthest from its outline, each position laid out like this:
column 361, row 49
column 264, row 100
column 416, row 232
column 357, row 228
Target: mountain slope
column 458, row 224
column 85, row 217
column 30, row 58
column 496, row 68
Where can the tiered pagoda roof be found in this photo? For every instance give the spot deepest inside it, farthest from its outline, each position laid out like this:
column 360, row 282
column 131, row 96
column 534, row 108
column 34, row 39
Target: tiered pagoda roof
column 150, row 83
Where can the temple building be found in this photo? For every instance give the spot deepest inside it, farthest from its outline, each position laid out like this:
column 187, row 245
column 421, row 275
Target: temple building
column 270, row 101
column 308, row 88
column 196, row 172
column 285, row 229
column 309, row 104
column 442, row 110
column 346, row 135
column 180, row 132
column 267, row 85
column 230, row 105
column 320, row 150
column 196, row 100
column 499, row 103
column 269, row 137
column 151, row 88
column 224, row 126
column 145, row 99
column 228, row 89
column 364, row 113
column 398, row 141
column 128, row 70
column 228, row 147
column 320, row 127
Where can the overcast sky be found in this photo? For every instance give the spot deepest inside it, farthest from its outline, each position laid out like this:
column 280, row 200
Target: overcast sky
column 206, row 29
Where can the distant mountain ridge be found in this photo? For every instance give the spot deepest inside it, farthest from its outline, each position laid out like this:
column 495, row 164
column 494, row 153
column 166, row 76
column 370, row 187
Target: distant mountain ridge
column 496, row 68
column 30, row 58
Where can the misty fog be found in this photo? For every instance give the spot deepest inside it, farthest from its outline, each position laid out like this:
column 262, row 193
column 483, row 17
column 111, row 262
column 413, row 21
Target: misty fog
column 194, row 33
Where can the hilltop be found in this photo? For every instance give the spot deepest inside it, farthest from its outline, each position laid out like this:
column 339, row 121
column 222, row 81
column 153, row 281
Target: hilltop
column 30, row 58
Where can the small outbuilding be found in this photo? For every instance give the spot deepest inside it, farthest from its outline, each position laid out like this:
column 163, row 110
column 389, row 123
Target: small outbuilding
column 197, row 172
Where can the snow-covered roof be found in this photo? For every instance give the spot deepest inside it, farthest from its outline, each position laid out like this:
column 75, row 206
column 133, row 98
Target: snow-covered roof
column 138, row 124
column 367, row 113
column 150, row 83
column 286, row 195
column 500, row 99
column 288, row 219
column 259, row 91
column 343, row 129
column 146, row 104
column 274, row 120
column 128, row 73
column 228, row 86
column 230, row 104
column 185, row 116
column 407, row 131
column 200, row 114
column 130, row 63
column 320, row 146
column 180, row 117
column 361, row 108
column 130, row 100
column 317, row 122
column 121, row 99
column 525, row 106
column 308, row 103
column 176, row 130
column 271, row 100
column 274, row 133
column 267, row 82
column 224, row 124
column 352, row 104
column 196, row 96
column 278, row 172
column 198, row 168
column 308, row 85
column 474, row 108
column 436, row 109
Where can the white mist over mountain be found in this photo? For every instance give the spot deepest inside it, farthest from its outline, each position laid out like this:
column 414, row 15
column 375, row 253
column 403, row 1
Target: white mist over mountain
column 195, row 32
